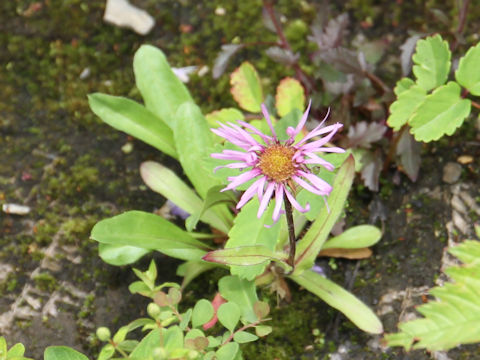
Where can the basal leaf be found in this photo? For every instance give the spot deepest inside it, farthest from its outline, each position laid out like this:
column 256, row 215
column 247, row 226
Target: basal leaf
column 62, row 353
column 244, row 255
column 441, row 113
column 194, row 142
column 246, row 88
column 148, row 231
column 453, row 317
column 241, row 292
column 129, row 116
column 248, row 230
column 432, row 62
column 162, row 91
column 355, row 237
column 223, row 116
column 119, row 255
column 404, row 107
column 312, row 242
column 467, row 73
column 290, row 95
column 165, row 182
column 339, row 298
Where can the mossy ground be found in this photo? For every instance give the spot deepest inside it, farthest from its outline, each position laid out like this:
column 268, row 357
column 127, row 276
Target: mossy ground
column 60, row 160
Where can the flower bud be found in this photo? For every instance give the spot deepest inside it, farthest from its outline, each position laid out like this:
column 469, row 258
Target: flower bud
column 153, row 310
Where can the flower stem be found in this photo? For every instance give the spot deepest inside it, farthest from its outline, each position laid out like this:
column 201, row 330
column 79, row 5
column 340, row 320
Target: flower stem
column 291, row 234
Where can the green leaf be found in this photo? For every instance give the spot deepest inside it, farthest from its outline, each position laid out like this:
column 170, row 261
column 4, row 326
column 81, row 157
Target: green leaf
column 290, row 95
column 291, row 119
column 354, row 238
column 202, row 312
column 467, row 73
column 339, row 298
column 312, row 242
column 107, row 352
column 229, row 315
column 223, row 116
column 173, row 338
column 261, row 309
column 162, row 91
column 404, row 107
column 17, row 350
column 165, row 182
column 243, row 337
column 246, row 88
column 148, row 231
column 244, row 255
column 127, row 115
column 248, row 230
column 121, row 334
column 453, row 317
column 191, row 269
column 186, row 317
column 145, row 348
column 119, row 255
column 263, row 330
column 432, row 59
column 441, row 113
column 241, row 292
column 227, row 351
column 62, row 353
column 214, row 197
column 194, row 142
column 403, row 85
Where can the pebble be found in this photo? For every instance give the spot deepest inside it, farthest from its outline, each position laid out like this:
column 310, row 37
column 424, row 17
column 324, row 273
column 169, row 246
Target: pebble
column 465, row 159
column 16, row 209
column 451, row 172
column 122, row 13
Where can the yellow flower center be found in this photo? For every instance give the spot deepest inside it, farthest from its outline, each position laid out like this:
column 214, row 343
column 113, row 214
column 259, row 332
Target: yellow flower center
column 276, row 162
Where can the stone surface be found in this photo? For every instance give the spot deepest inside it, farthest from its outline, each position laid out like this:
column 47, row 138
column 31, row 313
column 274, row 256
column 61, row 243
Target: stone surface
column 451, row 172
column 122, row 13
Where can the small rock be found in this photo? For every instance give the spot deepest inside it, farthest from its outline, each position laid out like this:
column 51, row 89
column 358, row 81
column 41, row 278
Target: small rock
column 127, row 148
column 122, row 13
column 220, row 11
column 465, row 159
column 85, row 73
column 15, row 209
column 451, row 172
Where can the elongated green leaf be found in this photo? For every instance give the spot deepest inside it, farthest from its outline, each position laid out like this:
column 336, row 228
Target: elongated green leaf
column 246, row 88
column 452, row 319
column 244, row 255
column 290, row 95
column 62, row 353
column 241, row 292
column 441, row 113
column 16, row 352
column 339, row 298
column 129, row 116
column 223, row 116
column 214, row 197
column 162, row 91
column 194, row 142
column 191, row 269
column 248, row 230
column 432, row 62
column 467, row 73
column 165, row 182
column 119, row 255
column 404, row 107
column 354, row 238
column 311, row 244
column 148, row 231
column 243, row 337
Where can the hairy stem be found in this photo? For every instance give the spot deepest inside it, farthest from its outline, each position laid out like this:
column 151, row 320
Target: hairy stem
column 291, row 234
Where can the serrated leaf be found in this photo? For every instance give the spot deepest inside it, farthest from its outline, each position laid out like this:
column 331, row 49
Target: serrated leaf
column 354, row 238
column 405, row 105
column 441, row 113
column 372, row 166
column 363, row 134
column 290, row 95
column 241, row 292
column 402, row 85
column 453, row 317
column 162, row 91
column 129, row 116
column 432, row 62
column 408, row 47
column 282, row 56
column 248, row 230
column 202, row 312
column 246, row 88
column 467, row 73
column 223, row 116
column 329, row 35
column 344, row 60
column 229, row 315
column 243, row 337
column 339, row 298
column 409, row 152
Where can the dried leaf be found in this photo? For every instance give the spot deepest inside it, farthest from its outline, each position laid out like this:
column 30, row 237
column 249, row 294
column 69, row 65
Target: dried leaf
column 282, row 56
column 408, row 47
column 330, row 36
column 362, row 134
column 372, row 165
column 409, row 151
column 345, row 60
column 361, row 253
column 224, row 57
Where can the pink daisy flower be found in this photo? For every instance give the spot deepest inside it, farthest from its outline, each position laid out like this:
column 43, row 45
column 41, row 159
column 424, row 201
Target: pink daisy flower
column 279, row 166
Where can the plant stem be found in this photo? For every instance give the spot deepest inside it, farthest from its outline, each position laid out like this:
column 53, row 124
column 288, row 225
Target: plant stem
column 291, row 234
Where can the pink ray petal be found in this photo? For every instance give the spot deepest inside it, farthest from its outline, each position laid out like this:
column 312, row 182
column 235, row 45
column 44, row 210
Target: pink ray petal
column 266, row 199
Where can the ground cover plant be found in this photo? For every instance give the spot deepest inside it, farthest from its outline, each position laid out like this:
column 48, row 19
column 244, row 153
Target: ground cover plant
column 261, row 189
